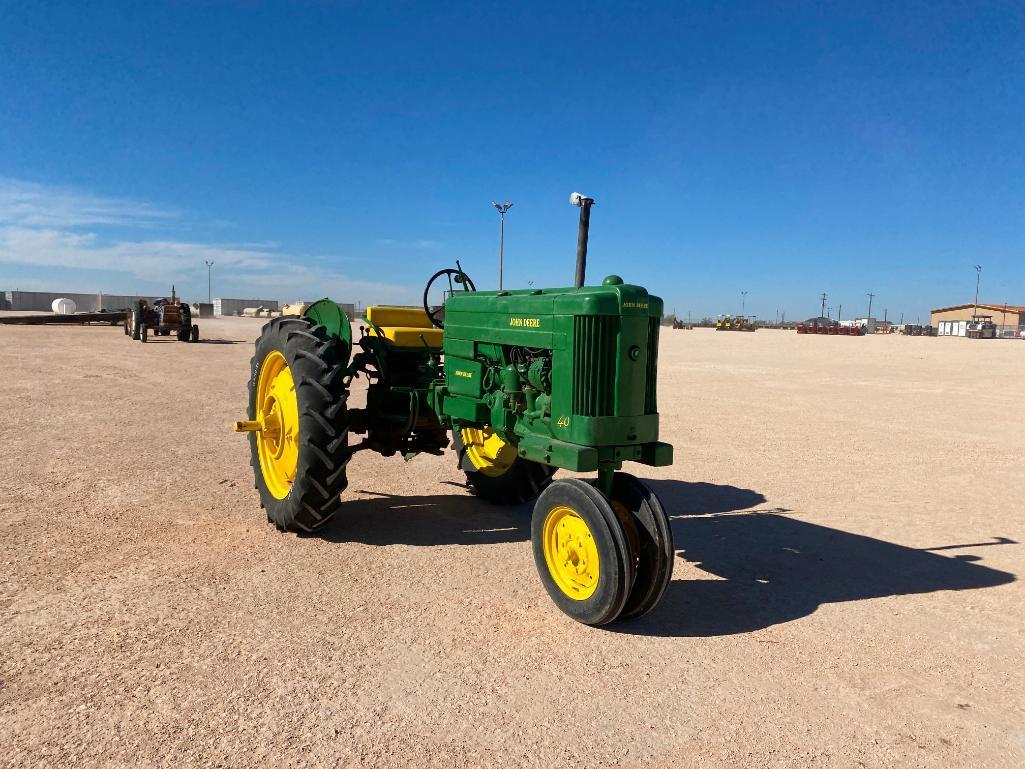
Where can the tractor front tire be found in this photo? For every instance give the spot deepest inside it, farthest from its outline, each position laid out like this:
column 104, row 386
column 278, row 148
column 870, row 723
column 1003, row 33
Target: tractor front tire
column 651, row 541
column 194, row 337
column 143, row 333
column 136, row 323
column 504, row 483
column 582, row 552
column 297, row 361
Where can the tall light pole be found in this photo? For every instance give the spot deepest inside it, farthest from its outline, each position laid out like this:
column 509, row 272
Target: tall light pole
column 743, row 302
column 823, row 313
column 870, row 298
column 502, row 208
column 209, row 284
column 978, row 276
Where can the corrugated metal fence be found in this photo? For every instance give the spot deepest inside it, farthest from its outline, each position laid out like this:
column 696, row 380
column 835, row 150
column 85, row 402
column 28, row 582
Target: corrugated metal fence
column 41, row 301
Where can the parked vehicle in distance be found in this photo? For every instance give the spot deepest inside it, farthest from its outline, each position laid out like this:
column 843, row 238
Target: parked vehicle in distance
column 981, row 327
column 163, row 317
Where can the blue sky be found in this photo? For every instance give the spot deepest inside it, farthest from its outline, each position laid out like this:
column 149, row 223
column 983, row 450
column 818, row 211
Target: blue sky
column 351, row 149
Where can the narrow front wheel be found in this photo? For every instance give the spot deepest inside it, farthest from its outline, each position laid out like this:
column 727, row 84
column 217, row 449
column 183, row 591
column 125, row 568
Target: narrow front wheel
column 651, row 541
column 582, row 552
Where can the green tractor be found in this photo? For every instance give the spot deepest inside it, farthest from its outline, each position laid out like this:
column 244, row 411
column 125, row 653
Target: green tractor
column 525, row 381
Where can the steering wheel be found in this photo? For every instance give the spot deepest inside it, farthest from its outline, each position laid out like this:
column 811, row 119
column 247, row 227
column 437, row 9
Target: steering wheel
column 455, row 277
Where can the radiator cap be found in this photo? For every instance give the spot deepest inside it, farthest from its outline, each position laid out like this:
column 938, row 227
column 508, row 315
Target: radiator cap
column 612, row 280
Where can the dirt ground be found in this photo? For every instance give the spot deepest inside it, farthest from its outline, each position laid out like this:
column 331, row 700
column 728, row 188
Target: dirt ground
column 848, row 516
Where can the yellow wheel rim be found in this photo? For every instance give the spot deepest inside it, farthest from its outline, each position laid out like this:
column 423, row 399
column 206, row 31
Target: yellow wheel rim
column 571, row 553
column 277, row 412
column 487, row 450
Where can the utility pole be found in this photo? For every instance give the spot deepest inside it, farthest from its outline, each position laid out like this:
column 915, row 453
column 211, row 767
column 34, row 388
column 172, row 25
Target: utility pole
column 743, row 302
column 902, row 319
column 978, row 276
column 839, row 313
column 870, row 297
column 209, row 284
column 502, row 208
column 822, row 314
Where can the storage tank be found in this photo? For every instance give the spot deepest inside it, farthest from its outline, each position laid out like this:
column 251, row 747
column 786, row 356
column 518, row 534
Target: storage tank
column 63, row 306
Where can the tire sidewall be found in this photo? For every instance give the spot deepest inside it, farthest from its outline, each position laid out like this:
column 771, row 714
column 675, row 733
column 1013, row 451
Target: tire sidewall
column 287, row 512
column 657, row 550
column 279, row 510
column 605, row 604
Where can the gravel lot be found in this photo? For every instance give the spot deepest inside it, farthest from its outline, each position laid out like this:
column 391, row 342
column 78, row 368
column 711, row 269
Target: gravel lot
column 848, row 515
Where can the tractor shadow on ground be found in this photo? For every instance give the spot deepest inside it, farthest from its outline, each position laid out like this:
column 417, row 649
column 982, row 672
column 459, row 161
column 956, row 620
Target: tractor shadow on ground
column 427, row 521
column 766, row 568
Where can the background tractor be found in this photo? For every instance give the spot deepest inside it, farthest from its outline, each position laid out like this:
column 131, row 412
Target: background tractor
column 163, row 318
column 735, row 323
column 524, row 381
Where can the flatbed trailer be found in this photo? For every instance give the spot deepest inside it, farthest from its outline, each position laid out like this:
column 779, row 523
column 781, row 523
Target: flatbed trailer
column 111, row 318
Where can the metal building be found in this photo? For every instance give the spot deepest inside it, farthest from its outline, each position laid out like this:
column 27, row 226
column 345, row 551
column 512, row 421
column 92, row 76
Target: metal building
column 236, row 306
column 954, row 320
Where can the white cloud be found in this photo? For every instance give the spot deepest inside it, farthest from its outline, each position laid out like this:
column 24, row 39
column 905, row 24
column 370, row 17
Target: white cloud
column 49, row 229
column 35, row 205
column 140, row 258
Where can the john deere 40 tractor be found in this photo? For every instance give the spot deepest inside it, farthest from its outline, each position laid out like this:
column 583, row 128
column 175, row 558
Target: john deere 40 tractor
column 524, row 381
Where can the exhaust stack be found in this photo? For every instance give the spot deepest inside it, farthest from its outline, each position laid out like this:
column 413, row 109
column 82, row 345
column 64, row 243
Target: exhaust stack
column 584, row 203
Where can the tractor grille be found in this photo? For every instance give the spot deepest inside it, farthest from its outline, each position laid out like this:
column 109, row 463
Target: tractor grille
column 651, row 376
column 594, row 364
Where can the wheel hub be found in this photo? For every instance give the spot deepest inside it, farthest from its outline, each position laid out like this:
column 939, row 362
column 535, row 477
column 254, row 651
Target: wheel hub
column 276, row 425
column 571, row 553
column 489, row 452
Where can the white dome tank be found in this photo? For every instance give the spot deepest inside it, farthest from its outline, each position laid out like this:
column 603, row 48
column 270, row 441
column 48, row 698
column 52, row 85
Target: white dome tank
column 63, row 306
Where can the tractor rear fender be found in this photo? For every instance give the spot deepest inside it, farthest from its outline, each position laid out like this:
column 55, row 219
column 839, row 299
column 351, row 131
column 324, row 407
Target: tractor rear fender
column 333, row 318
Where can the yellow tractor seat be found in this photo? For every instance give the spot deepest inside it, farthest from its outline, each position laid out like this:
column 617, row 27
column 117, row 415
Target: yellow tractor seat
column 404, row 326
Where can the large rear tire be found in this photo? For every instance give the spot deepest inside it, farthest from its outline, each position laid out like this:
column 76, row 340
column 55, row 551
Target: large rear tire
column 581, row 552
column 185, row 329
column 296, row 387
column 493, row 469
column 136, row 323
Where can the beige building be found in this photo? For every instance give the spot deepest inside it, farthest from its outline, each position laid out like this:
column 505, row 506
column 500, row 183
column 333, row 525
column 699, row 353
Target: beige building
column 953, row 321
